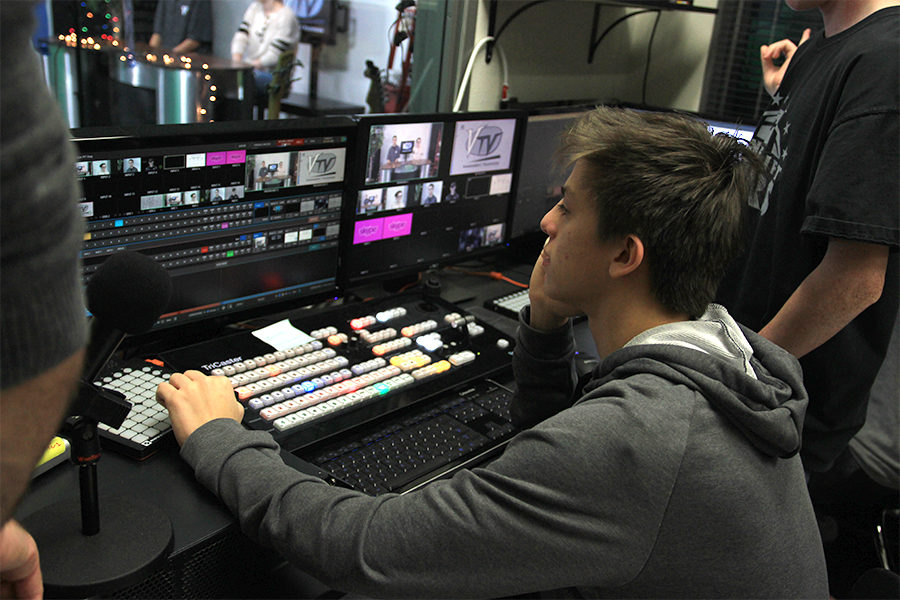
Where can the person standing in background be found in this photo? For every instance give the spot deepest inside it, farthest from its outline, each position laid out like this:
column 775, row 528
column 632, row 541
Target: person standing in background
column 820, row 278
column 267, row 30
column 183, row 26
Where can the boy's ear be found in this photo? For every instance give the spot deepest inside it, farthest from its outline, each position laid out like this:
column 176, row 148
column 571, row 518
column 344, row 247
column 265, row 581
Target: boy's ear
column 629, row 255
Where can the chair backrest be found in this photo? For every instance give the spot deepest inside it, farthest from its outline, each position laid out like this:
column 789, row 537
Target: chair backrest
column 876, row 584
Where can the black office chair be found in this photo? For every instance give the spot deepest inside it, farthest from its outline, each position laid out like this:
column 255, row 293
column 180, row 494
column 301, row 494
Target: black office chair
column 876, row 584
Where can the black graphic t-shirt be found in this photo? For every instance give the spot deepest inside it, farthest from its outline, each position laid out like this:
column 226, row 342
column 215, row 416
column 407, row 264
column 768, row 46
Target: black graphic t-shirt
column 830, row 141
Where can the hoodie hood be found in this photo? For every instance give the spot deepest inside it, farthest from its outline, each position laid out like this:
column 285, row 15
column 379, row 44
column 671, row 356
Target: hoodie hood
column 757, row 385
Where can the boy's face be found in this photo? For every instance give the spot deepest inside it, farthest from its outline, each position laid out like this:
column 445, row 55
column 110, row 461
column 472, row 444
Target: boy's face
column 573, row 256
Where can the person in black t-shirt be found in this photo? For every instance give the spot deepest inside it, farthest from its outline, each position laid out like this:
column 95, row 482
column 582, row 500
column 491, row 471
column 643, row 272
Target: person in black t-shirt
column 820, row 277
column 183, row 26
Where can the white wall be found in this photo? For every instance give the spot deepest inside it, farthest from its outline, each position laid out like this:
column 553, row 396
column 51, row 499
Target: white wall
column 547, row 49
column 341, row 66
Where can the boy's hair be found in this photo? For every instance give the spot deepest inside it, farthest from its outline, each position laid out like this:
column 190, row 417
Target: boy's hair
column 666, row 179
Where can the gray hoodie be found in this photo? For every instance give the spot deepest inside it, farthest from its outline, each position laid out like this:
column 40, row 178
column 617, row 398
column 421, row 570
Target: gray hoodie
column 674, row 475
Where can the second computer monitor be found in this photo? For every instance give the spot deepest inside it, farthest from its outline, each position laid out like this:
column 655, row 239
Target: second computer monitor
column 540, row 179
column 429, row 189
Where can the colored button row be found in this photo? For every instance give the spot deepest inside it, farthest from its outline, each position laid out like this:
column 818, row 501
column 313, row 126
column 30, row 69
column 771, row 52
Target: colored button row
column 304, row 381
column 337, row 339
column 408, row 361
column 305, row 415
column 430, row 341
column 278, row 368
column 373, row 337
column 391, row 313
column 461, row 358
column 418, row 328
column 321, row 334
column 261, row 361
column 328, row 393
column 452, row 319
column 299, row 389
column 362, row 322
column 289, row 378
column 382, row 349
column 431, row 370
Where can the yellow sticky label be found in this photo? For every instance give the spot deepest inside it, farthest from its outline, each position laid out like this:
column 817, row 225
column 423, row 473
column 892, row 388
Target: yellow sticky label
column 57, row 446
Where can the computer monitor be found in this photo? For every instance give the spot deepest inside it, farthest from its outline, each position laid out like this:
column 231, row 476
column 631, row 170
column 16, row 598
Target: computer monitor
column 739, row 130
column 540, row 180
column 318, row 19
column 446, row 199
column 241, row 215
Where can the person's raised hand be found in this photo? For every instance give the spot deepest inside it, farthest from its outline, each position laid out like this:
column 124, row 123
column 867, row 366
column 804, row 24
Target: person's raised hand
column 193, row 399
column 546, row 313
column 768, row 54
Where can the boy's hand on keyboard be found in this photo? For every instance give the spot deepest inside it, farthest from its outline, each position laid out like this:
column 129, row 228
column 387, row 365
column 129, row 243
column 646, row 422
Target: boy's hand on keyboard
column 194, row 399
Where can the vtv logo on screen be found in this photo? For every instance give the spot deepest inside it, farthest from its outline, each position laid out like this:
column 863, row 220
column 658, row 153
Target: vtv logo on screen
column 482, row 143
column 321, row 165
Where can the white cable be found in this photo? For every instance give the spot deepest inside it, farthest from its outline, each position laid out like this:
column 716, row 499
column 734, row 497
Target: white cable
column 468, row 73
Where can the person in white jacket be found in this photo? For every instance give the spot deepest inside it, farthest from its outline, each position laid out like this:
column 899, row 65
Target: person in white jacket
column 267, row 29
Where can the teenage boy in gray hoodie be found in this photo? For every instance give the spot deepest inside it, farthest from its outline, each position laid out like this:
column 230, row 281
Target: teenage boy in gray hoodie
column 673, row 472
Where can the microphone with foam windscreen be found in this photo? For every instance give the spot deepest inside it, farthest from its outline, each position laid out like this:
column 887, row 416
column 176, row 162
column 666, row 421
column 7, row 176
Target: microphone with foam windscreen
column 125, row 296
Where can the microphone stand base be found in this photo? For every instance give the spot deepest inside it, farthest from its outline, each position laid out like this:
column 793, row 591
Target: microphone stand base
column 134, row 541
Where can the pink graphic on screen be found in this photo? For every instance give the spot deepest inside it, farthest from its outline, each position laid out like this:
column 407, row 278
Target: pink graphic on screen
column 397, row 225
column 216, row 158
column 368, row 231
column 237, row 156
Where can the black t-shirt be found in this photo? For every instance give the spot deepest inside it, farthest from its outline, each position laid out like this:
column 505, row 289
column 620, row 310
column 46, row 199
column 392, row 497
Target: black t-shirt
column 178, row 20
column 830, row 141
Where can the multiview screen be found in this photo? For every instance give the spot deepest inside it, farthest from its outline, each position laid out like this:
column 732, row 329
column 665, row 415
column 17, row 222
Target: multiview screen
column 429, row 189
column 240, row 215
